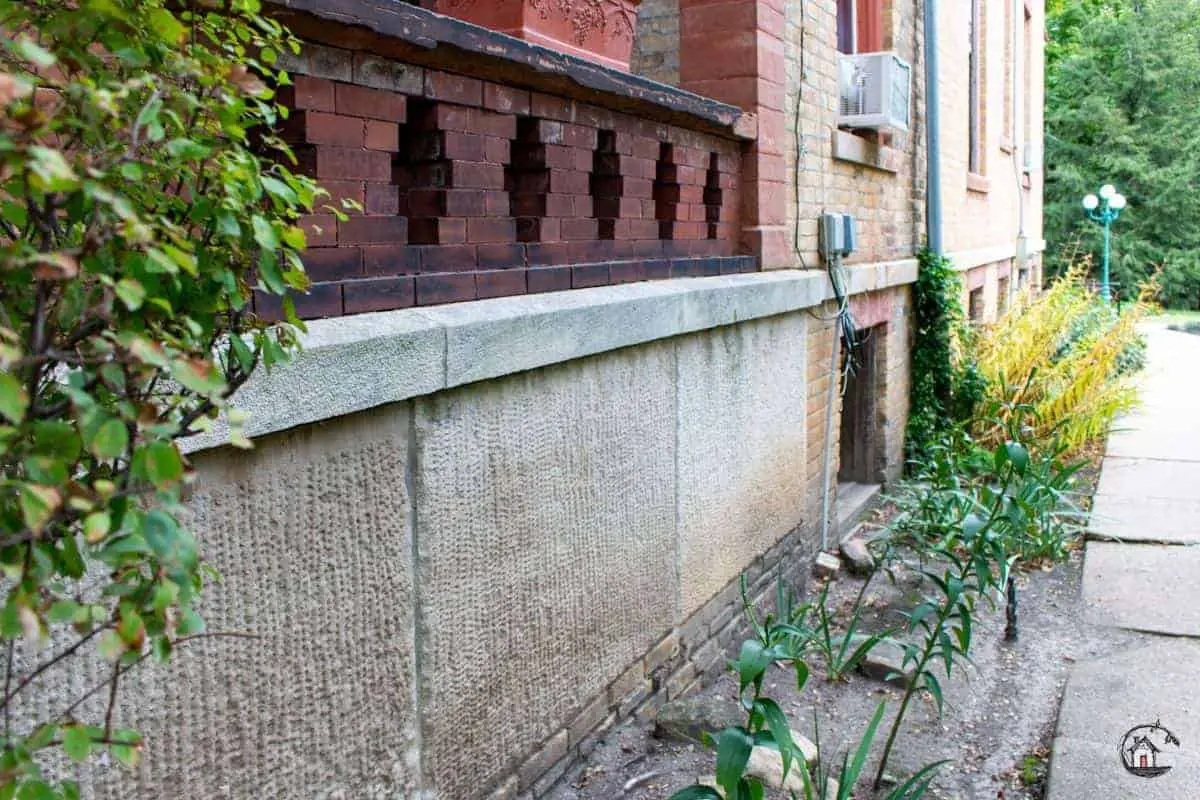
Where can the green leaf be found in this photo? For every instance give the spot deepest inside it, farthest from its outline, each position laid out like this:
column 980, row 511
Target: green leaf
column 42, row 736
column 31, row 51
column 126, row 755
column 934, row 688
column 850, row 776
column 52, row 169
column 77, row 743
column 199, row 375
column 916, row 786
column 264, row 233
column 190, row 623
column 38, row 504
column 110, row 440
column 46, row 470
column 162, row 649
column 13, row 398
column 697, row 792
column 164, row 466
column 96, row 526
column 36, row 790
column 187, row 149
column 56, row 438
column 733, row 752
column 778, row 725
column 165, row 24
column 1019, row 457
column 160, row 529
column 752, row 662
column 131, row 293
column 63, row 611
column 110, row 646
column 279, row 189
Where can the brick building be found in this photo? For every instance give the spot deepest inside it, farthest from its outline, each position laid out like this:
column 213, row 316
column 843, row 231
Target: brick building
column 572, row 372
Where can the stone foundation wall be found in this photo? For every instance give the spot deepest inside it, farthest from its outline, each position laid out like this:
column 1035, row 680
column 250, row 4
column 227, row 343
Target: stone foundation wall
column 453, row 594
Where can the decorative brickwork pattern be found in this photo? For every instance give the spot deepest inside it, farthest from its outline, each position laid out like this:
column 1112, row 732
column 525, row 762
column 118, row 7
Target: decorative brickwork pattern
column 464, row 189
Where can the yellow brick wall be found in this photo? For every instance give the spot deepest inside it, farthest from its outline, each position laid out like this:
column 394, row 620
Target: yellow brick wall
column 973, row 219
column 889, row 205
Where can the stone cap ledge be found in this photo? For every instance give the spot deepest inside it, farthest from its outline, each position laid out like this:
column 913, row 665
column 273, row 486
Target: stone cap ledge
column 351, row 364
column 418, row 36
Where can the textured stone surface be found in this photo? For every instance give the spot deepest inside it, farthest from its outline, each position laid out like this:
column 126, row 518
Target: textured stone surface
column 766, row 764
column 656, row 45
column 1144, row 587
column 1150, row 485
column 310, row 532
column 545, row 542
column 885, row 662
column 741, row 448
column 351, row 364
column 688, row 719
column 827, row 565
column 1146, row 519
column 347, row 365
column 1138, row 477
column 1107, row 697
column 858, row 557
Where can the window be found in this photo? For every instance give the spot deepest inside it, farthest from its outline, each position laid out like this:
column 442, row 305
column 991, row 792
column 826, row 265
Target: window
column 975, row 90
column 975, row 306
column 860, row 26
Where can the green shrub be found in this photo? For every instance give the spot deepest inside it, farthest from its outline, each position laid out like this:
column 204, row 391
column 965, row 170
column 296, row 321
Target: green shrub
column 141, row 203
column 1067, row 358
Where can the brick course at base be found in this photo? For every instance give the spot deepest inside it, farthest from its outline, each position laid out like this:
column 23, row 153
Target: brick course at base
column 681, row 662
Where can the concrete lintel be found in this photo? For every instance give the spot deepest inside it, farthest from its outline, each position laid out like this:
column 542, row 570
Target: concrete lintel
column 350, row 364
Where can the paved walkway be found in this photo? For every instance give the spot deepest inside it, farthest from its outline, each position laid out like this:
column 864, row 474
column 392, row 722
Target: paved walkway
column 1142, row 572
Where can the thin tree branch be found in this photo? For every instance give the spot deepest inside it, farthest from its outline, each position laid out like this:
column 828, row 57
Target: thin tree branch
column 48, row 664
column 124, row 670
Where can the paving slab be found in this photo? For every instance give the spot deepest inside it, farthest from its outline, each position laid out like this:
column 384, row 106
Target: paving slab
column 1148, row 498
column 1165, row 520
column 1144, row 477
column 1105, row 699
column 1144, row 587
column 1163, row 441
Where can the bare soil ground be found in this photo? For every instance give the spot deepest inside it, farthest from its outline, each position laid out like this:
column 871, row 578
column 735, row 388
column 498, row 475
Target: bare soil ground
column 999, row 716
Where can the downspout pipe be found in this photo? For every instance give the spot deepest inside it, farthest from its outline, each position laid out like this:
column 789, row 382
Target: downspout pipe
column 933, row 133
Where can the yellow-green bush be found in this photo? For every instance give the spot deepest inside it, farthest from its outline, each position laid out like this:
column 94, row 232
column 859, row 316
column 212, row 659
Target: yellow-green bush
column 1066, row 355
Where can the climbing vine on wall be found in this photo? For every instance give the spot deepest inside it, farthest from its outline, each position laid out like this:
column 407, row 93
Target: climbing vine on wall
column 937, row 313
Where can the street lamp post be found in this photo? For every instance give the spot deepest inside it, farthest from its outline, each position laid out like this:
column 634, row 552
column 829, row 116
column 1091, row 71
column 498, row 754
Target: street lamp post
column 1105, row 209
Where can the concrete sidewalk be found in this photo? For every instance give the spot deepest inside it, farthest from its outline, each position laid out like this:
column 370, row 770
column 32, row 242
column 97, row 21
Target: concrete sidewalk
column 1142, row 572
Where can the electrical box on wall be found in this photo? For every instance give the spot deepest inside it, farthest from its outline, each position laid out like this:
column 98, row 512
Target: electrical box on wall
column 839, row 235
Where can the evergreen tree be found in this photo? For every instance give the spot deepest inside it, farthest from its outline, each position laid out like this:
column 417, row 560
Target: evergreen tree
column 1123, row 106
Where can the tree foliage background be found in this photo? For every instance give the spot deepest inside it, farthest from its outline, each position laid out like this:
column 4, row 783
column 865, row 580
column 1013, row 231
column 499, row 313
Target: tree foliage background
column 1123, row 107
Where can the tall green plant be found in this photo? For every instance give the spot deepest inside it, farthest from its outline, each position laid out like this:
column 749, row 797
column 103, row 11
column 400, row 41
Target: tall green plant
column 778, row 640
column 142, row 199
column 936, row 312
column 976, row 518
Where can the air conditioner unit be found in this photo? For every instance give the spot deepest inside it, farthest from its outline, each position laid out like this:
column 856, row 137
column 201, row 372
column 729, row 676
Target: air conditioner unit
column 875, row 91
column 1031, row 157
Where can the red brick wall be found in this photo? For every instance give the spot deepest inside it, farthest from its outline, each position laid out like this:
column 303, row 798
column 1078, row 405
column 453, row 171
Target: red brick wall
column 471, row 189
